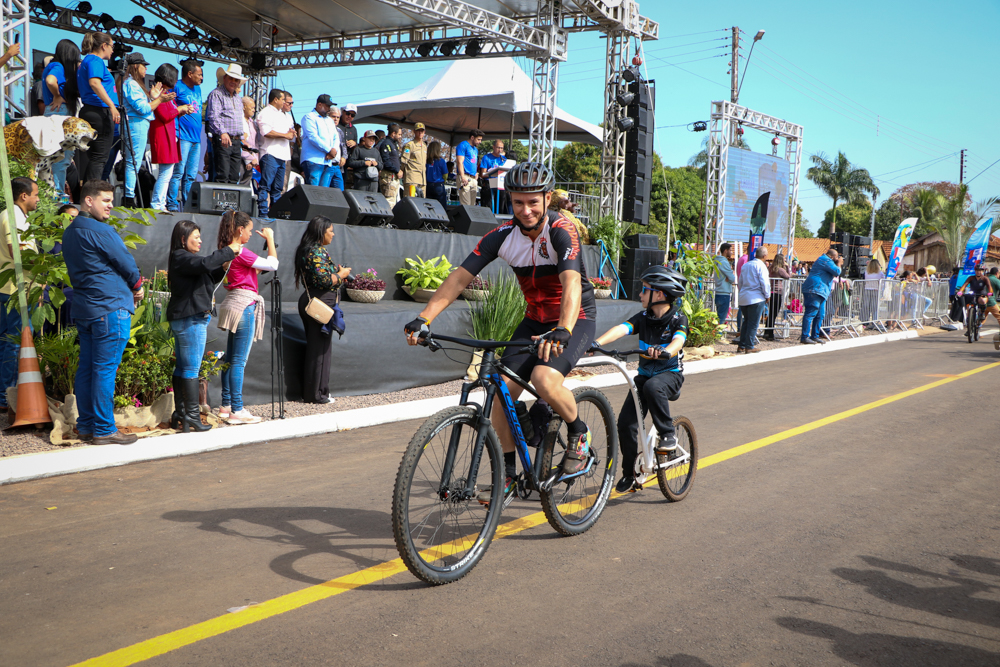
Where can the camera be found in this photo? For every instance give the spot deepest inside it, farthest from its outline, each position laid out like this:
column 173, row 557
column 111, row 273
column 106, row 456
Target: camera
column 117, row 61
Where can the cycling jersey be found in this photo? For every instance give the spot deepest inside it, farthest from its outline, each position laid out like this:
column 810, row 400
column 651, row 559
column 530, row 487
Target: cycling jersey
column 537, row 265
column 662, row 332
column 978, row 286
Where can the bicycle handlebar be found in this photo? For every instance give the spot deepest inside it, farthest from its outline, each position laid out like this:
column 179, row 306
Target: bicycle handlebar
column 431, row 341
column 622, row 355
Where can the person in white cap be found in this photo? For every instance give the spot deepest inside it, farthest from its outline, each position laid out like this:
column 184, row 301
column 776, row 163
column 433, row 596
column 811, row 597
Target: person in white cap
column 224, row 121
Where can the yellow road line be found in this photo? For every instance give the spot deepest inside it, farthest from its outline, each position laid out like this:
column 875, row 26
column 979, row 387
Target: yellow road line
column 213, row 627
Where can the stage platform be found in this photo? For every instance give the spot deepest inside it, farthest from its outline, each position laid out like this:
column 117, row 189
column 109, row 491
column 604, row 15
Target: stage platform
column 372, row 356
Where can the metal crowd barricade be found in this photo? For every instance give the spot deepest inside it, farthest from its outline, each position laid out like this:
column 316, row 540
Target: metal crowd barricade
column 795, row 304
column 868, row 300
column 938, row 292
column 839, row 306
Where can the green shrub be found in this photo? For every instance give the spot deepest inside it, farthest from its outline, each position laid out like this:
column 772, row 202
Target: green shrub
column 429, row 274
column 498, row 315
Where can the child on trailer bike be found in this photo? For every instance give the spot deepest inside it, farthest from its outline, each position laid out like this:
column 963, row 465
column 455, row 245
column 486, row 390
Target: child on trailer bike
column 543, row 249
column 662, row 329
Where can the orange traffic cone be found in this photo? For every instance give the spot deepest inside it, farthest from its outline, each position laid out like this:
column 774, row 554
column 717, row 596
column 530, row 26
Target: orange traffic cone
column 32, row 407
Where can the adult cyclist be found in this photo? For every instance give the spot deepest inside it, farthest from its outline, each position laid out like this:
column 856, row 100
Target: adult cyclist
column 980, row 290
column 543, row 249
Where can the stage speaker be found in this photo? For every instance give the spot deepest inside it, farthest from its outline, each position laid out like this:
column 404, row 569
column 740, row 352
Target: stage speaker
column 367, row 208
column 415, row 213
column 632, row 264
column 471, row 220
column 218, row 198
column 642, row 241
column 305, row 202
column 864, row 241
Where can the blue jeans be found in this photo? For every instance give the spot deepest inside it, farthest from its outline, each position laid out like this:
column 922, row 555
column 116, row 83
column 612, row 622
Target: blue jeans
column 10, row 325
column 272, row 179
column 812, row 319
column 722, row 302
column 437, row 191
column 184, row 174
column 317, row 173
column 102, row 342
column 138, row 131
column 161, row 187
column 751, row 320
column 59, row 168
column 237, row 352
column 189, row 346
column 336, row 177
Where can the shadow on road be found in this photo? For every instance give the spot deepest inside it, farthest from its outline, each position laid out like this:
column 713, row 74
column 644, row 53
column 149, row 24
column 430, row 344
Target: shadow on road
column 870, row 649
column 353, row 534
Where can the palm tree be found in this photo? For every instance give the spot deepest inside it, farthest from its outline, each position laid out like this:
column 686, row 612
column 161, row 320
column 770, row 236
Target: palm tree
column 952, row 217
column 841, row 180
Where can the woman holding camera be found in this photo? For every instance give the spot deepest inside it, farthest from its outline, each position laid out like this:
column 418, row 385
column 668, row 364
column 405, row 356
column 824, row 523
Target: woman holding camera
column 192, row 279
column 322, row 279
column 241, row 313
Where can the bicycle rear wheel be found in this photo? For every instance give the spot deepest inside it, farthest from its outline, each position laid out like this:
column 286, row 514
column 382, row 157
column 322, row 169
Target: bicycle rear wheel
column 442, row 533
column 675, row 481
column 970, row 323
column 574, row 505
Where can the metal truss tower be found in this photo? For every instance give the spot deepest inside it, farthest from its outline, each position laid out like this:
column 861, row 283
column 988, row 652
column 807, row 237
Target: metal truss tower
column 261, row 75
column 16, row 75
column 725, row 118
column 544, row 83
column 613, row 151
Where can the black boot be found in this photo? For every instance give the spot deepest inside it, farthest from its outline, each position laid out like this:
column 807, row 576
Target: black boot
column 177, row 418
column 192, row 411
column 128, row 202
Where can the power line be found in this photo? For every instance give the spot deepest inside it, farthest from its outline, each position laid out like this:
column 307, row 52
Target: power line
column 686, row 70
column 692, row 34
column 982, row 172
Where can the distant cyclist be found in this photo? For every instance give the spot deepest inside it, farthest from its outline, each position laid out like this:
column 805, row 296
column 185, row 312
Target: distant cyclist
column 543, row 249
column 979, row 290
column 662, row 328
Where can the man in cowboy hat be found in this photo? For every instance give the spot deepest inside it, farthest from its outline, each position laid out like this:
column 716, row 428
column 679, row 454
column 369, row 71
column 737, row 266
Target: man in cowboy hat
column 224, row 121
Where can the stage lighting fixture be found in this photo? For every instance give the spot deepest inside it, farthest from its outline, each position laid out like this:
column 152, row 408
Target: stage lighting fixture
column 161, row 33
column 624, row 98
column 274, row 30
column 625, row 123
column 448, row 48
column 214, row 44
column 425, row 49
column 474, row 47
column 107, row 21
column 235, row 43
column 48, row 6
column 630, row 74
column 699, row 126
column 85, row 7
column 258, row 61
column 137, row 21
column 192, row 34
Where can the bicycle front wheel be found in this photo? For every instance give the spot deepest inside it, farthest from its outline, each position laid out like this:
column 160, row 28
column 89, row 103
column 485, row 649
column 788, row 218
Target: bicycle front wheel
column 574, row 505
column 441, row 529
column 676, row 480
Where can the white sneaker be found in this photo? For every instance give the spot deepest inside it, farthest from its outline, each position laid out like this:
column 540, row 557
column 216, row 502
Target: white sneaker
column 242, row 417
column 224, row 412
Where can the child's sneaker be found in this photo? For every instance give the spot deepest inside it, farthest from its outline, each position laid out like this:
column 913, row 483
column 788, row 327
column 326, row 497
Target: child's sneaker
column 577, row 454
column 242, row 417
column 668, row 446
column 487, row 491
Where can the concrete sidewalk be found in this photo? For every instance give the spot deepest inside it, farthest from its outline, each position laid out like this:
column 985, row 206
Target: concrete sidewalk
column 78, row 459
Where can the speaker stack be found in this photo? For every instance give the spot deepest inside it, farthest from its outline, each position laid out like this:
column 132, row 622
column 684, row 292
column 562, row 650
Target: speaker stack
column 856, row 251
column 641, row 252
column 417, row 213
column 367, row 208
column 217, row 198
column 305, row 202
column 472, row 220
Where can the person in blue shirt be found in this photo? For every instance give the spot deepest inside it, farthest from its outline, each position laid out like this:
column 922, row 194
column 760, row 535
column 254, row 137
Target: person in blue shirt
column 466, row 160
column 188, row 91
column 437, row 172
column 320, row 156
column 498, row 201
column 139, row 106
column 99, row 97
column 106, row 286
column 60, row 94
column 815, row 291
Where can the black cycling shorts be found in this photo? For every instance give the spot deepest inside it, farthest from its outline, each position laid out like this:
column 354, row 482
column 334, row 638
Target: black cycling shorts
column 522, row 364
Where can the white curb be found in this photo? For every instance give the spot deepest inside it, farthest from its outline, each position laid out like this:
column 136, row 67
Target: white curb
column 79, row 459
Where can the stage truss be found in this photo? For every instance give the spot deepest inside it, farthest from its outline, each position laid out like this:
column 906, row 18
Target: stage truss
column 725, row 119
column 441, row 30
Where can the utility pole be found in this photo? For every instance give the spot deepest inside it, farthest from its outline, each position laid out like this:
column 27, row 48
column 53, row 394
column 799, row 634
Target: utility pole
column 961, row 167
column 734, row 95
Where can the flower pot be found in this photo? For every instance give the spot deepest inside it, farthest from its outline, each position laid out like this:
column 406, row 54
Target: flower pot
column 475, row 294
column 365, row 296
column 421, row 295
column 602, row 293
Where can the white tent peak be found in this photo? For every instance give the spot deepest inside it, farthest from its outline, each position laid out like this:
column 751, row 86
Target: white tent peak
column 471, row 93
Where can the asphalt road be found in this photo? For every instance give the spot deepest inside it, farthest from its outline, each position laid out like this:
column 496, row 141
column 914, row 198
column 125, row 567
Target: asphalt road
column 869, row 539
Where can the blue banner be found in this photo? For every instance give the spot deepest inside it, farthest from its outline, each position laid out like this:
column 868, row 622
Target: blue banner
column 900, row 242
column 975, row 250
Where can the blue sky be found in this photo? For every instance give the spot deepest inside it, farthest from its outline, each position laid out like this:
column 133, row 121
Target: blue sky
column 900, row 87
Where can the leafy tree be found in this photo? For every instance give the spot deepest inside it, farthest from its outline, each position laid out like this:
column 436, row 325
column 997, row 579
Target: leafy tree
column 952, row 217
column 904, row 198
column 841, row 181
column 578, row 163
column 688, row 191
column 851, row 218
column 801, row 230
column 887, row 219
column 700, row 159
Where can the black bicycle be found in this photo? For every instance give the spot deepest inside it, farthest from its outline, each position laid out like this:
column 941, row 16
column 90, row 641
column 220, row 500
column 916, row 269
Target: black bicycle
column 974, row 319
column 441, row 524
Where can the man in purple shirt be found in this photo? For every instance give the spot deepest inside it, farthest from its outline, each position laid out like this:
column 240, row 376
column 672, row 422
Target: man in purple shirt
column 224, row 121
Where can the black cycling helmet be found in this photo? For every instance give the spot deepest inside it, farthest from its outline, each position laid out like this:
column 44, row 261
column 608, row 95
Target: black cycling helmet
column 668, row 281
column 529, row 177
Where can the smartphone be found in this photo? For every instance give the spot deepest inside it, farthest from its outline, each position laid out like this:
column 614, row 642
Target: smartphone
column 17, row 38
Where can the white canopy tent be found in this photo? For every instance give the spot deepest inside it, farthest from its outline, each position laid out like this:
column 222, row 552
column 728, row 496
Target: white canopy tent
column 493, row 95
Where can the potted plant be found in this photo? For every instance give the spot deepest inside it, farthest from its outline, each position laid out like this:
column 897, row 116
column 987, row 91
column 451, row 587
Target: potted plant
column 602, row 287
column 477, row 290
column 496, row 316
column 366, row 287
column 421, row 278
